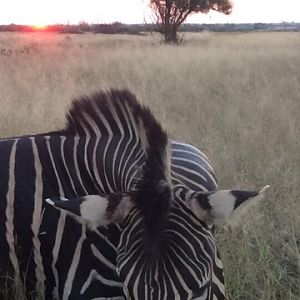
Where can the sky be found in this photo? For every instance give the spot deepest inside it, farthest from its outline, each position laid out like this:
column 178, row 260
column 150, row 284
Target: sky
column 44, row 12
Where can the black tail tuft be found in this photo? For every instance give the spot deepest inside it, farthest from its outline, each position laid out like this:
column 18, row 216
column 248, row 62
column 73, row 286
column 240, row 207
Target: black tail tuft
column 154, row 200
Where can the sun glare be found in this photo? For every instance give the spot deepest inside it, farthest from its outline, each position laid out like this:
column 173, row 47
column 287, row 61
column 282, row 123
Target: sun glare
column 39, row 27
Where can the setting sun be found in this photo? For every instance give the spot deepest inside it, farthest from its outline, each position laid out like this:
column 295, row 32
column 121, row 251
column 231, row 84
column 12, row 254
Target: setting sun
column 39, row 27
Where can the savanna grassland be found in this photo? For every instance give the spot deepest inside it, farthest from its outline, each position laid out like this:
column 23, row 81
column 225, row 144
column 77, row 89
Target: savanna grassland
column 235, row 96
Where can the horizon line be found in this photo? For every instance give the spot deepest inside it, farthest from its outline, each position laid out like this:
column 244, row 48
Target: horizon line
column 123, row 23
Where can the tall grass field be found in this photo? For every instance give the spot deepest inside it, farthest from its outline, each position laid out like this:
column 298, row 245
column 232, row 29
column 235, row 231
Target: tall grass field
column 235, row 96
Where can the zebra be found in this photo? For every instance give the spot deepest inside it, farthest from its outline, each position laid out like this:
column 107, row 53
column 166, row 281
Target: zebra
column 110, row 208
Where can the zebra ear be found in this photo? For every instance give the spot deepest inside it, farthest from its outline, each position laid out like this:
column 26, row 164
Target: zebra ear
column 95, row 209
column 214, row 207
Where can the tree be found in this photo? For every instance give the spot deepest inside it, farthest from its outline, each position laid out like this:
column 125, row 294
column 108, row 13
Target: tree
column 170, row 14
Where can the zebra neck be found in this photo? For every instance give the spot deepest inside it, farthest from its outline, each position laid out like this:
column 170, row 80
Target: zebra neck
column 90, row 165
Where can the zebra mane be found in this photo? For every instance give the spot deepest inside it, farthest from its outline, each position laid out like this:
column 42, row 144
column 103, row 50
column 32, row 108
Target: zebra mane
column 89, row 115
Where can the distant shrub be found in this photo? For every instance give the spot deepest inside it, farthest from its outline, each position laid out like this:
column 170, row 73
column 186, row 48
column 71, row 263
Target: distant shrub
column 112, row 28
column 70, row 29
column 16, row 28
column 84, row 26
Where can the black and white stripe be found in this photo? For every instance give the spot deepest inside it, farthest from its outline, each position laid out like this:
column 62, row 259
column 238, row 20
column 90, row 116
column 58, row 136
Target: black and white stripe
column 43, row 246
column 108, row 142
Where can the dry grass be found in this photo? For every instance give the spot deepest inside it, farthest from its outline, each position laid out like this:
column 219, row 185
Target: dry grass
column 236, row 96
